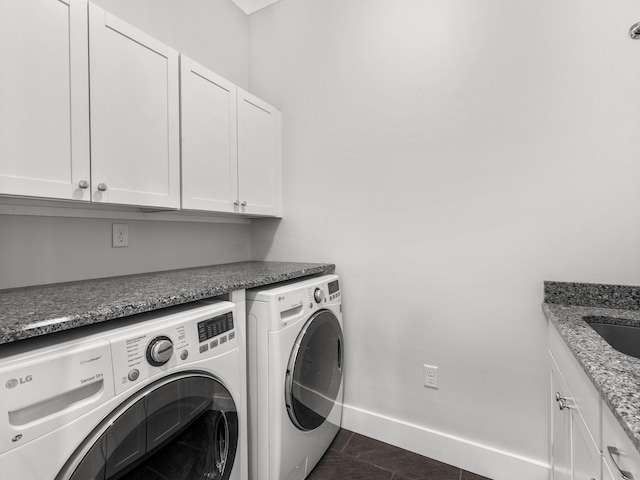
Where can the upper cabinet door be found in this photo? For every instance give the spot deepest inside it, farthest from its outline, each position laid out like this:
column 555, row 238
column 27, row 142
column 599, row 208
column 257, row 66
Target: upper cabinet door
column 259, row 157
column 44, row 95
column 135, row 150
column 209, row 139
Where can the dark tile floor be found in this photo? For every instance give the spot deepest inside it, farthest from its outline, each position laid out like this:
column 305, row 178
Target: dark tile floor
column 355, row 457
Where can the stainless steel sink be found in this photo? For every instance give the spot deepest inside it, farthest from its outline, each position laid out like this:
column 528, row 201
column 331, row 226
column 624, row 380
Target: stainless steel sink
column 624, row 338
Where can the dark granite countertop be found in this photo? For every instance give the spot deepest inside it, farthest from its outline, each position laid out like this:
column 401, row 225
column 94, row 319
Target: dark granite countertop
column 615, row 375
column 34, row 311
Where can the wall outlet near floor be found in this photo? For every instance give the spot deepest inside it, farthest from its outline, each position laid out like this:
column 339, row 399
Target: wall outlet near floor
column 430, row 374
column 120, row 235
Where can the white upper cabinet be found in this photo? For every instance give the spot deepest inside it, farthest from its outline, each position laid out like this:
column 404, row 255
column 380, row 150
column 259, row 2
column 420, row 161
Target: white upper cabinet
column 259, row 157
column 209, row 139
column 91, row 108
column 230, row 146
column 44, row 95
column 135, row 149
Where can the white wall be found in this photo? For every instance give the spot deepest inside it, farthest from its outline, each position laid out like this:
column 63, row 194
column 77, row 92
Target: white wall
column 37, row 250
column 449, row 156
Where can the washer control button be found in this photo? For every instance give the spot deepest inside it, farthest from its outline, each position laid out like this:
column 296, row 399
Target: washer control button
column 133, row 374
column 204, row 348
column 318, row 295
column 184, row 354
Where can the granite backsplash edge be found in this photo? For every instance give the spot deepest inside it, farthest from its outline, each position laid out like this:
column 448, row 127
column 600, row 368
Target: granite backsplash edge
column 621, row 297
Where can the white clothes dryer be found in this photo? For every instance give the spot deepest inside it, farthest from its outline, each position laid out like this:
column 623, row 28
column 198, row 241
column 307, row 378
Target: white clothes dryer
column 295, row 372
column 156, row 396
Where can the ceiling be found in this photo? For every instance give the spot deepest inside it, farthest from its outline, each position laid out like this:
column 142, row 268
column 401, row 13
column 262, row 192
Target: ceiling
column 250, row 6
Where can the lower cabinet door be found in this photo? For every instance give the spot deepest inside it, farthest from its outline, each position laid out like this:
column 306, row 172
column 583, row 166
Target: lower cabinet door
column 607, row 472
column 560, row 428
column 586, row 456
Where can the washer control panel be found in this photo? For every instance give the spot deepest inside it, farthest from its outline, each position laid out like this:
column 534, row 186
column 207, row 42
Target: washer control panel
column 292, row 301
column 162, row 342
column 215, row 331
column 215, row 326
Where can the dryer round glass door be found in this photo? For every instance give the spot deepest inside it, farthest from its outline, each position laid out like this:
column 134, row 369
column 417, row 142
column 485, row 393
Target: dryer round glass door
column 314, row 372
column 184, row 427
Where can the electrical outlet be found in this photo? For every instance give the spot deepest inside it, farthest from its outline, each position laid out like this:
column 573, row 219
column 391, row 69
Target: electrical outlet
column 430, row 374
column 120, row 235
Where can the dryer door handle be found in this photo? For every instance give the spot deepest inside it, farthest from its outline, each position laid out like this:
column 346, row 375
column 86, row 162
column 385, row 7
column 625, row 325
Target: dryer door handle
column 339, row 355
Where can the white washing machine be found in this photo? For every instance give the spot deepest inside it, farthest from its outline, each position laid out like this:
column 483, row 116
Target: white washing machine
column 295, row 371
column 157, row 396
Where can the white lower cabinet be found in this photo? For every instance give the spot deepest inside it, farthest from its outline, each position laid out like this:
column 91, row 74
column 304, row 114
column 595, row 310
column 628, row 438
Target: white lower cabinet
column 586, row 441
column 573, row 453
column 44, row 99
column 135, row 128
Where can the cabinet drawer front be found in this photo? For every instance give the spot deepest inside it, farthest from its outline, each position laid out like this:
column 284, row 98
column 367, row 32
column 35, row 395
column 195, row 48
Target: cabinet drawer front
column 584, row 394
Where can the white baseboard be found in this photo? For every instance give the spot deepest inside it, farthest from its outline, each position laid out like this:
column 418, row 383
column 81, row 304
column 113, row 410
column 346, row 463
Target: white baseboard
column 468, row 455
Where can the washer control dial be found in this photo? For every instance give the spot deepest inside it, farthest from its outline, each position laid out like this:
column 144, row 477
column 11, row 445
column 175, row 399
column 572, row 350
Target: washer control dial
column 159, row 351
column 318, row 295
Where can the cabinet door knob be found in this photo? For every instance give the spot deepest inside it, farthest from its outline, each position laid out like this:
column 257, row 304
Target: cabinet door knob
column 236, row 203
column 562, row 404
column 102, row 187
column 83, row 184
column 244, row 203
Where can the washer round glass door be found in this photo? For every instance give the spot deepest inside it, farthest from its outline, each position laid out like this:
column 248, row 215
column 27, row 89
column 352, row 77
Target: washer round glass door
column 183, row 427
column 314, row 372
